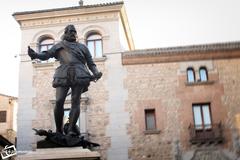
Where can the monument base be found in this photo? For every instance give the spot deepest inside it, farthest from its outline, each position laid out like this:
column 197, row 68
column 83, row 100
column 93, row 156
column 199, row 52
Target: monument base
column 73, row 153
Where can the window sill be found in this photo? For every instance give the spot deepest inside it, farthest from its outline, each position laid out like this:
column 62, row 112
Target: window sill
column 152, row 132
column 100, row 59
column 199, row 83
column 45, row 64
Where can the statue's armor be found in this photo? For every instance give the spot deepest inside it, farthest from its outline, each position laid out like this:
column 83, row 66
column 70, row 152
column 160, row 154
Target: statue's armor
column 73, row 57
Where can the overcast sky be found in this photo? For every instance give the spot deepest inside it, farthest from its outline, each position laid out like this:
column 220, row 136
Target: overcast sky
column 154, row 23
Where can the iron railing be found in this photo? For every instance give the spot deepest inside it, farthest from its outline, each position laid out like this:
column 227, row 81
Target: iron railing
column 210, row 133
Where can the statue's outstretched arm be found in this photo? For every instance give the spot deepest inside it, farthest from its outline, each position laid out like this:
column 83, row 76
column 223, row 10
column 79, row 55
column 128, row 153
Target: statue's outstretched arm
column 45, row 55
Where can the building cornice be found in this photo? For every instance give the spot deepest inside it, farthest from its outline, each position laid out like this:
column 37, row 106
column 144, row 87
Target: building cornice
column 69, row 11
column 69, row 8
column 182, row 53
column 77, row 14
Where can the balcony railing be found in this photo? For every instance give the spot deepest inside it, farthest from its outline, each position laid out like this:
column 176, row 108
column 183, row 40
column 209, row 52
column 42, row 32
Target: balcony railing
column 211, row 133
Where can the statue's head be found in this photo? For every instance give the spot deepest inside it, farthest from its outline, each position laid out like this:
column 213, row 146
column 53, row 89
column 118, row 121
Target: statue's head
column 70, row 33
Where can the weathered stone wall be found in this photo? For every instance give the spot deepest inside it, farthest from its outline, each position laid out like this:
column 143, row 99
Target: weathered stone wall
column 164, row 87
column 97, row 118
column 5, row 106
column 7, row 129
column 153, row 86
column 115, row 110
column 229, row 77
column 42, row 82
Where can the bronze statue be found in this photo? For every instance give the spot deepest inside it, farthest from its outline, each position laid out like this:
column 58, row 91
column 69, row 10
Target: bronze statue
column 75, row 60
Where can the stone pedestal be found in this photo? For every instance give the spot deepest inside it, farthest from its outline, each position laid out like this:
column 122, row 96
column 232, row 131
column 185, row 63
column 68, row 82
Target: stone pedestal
column 73, row 153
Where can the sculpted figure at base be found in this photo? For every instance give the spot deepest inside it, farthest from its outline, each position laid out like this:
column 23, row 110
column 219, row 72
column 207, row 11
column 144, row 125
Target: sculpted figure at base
column 73, row 72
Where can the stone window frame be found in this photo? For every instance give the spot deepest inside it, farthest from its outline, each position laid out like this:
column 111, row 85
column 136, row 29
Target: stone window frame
column 93, row 33
column 3, row 116
column 154, row 130
column 37, row 37
column 103, row 31
column 39, row 45
column 198, row 81
column 147, row 113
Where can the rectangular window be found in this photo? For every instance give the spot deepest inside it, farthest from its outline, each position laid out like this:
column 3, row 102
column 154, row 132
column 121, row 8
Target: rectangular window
column 202, row 116
column 3, row 116
column 150, row 119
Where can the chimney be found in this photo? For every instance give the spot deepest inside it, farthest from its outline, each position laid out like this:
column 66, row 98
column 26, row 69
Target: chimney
column 81, row 3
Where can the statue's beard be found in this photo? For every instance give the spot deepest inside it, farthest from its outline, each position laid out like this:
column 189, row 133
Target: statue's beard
column 69, row 37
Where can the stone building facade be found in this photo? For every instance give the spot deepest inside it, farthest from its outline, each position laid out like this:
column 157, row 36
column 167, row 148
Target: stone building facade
column 164, row 87
column 8, row 128
column 152, row 104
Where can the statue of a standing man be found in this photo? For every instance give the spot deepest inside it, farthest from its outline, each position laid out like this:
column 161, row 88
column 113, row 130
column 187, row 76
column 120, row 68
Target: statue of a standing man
column 72, row 73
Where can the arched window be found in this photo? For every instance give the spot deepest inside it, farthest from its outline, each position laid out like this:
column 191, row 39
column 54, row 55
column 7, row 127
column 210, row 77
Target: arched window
column 94, row 44
column 190, row 75
column 203, row 74
column 44, row 45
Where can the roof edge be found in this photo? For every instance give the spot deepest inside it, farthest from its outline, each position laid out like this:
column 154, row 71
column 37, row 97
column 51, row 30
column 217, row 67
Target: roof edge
column 8, row 96
column 69, row 8
column 212, row 51
column 184, row 49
